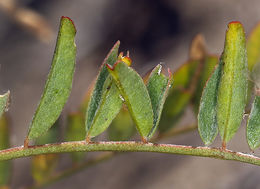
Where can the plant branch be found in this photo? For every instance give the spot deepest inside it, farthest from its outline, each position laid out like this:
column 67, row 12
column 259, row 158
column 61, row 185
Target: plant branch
column 103, row 157
column 128, row 146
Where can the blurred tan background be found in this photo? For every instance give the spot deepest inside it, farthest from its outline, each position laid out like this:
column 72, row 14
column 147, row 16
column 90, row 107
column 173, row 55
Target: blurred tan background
column 153, row 31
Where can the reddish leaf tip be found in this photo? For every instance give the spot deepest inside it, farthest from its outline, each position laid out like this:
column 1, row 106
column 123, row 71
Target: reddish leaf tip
column 110, row 67
column 66, row 17
column 234, row 22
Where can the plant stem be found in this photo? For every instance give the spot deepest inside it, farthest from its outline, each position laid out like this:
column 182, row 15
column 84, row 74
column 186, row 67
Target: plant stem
column 128, row 146
column 104, row 157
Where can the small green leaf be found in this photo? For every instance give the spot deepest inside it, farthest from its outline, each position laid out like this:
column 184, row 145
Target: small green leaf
column 208, row 67
column 179, row 96
column 109, row 107
column 59, row 82
column 135, row 94
column 253, row 125
column 76, row 132
column 4, row 102
column 122, row 127
column 253, row 46
column 101, row 100
column 232, row 95
column 5, row 166
column 158, row 86
column 207, row 117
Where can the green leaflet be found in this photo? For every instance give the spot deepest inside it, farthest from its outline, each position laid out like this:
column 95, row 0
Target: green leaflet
column 207, row 116
column 158, row 86
column 5, row 166
column 179, row 96
column 76, row 132
column 232, row 95
column 4, row 101
column 209, row 64
column 110, row 105
column 135, row 94
column 253, row 125
column 59, row 82
column 253, row 46
column 122, row 127
column 103, row 98
column 44, row 165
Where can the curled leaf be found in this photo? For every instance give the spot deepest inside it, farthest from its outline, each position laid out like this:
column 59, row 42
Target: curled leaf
column 232, row 95
column 59, row 82
column 135, row 95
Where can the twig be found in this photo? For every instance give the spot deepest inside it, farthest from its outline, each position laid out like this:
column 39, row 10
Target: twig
column 128, row 146
column 106, row 156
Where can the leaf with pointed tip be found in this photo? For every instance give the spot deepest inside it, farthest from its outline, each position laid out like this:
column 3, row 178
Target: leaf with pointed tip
column 232, row 94
column 5, row 166
column 253, row 125
column 4, row 102
column 122, row 127
column 59, row 82
column 135, row 94
column 100, row 98
column 179, row 96
column 207, row 117
column 158, row 87
column 76, row 132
